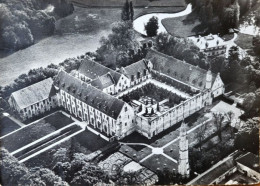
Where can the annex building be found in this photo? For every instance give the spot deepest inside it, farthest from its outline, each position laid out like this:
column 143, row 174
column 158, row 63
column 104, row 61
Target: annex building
column 147, row 96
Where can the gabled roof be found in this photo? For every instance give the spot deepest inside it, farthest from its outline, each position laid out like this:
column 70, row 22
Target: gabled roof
column 103, row 81
column 88, row 94
column 34, row 93
column 93, row 70
column 134, row 68
column 207, row 41
column 250, row 160
column 214, row 172
column 180, row 70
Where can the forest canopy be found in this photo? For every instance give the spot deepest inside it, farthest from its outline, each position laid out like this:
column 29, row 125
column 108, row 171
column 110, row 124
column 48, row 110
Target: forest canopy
column 24, row 21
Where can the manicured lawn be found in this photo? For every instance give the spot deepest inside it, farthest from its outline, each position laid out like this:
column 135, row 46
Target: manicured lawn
column 7, row 125
column 244, row 41
column 181, row 28
column 35, row 131
column 58, row 120
column 90, row 141
column 159, row 162
column 129, row 151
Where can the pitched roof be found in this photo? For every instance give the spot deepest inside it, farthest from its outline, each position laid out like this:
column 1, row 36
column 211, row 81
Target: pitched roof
column 250, row 160
column 207, row 41
column 34, row 93
column 88, row 94
column 103, row 81
column 134, row 68
column 178, row 69
column 92, row 70
column 213, row 173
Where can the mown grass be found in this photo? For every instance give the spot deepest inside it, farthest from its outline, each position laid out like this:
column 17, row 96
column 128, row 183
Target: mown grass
column 34, row 132
column 180, row 27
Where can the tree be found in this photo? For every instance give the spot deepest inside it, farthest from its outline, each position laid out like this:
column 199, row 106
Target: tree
column 90, row 175
column 140, row 108
column 158, row 107
column 118, row 44
column 131, row 11
column 125, row 15
column 200, row 135
column 248, row 134
column 249, row 101
column 218, row 121
column 256, row 44
column 152, row 27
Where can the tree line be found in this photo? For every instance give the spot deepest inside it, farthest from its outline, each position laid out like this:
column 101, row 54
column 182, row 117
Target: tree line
column 21, row 25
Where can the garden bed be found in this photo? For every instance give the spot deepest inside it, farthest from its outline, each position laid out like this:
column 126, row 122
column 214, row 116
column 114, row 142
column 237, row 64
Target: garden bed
column 35, row 131
column 7, row 125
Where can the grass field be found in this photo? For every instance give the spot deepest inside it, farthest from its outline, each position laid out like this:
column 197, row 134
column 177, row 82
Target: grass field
column 7, row 125
column 35, row 131
column 181, row 28
column 136, row 3
column 244, row 41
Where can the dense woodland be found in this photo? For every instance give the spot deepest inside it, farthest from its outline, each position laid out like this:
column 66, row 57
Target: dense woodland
column 220, row 15
column 22, row 22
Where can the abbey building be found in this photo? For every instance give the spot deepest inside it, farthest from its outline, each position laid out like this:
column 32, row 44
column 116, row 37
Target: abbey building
column 148, row 96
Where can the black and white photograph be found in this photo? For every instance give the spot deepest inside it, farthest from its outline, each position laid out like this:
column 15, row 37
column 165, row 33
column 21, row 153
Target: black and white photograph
column 129, row 92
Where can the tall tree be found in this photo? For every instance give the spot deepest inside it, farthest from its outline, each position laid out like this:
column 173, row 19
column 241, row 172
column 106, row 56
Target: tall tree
column 125, row 15
column 218, row 121
column 131, row 11
column 152, row 27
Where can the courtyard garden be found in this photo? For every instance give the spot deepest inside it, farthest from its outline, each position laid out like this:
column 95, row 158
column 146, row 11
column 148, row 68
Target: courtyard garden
column 7, row 125
column 155, row 93
column 35, row 131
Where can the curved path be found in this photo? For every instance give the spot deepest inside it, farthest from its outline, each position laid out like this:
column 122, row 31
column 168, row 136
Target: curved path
column 142, row 20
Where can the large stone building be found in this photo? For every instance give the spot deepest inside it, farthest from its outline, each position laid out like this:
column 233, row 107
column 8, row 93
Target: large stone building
column 99, row 110
column 148, row 96
column 34, row 100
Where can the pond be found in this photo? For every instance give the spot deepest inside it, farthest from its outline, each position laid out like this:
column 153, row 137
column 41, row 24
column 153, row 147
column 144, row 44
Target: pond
column 142, row 20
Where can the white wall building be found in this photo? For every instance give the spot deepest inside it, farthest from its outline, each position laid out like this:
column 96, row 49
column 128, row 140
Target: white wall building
column 212, row 45
column 34, row 100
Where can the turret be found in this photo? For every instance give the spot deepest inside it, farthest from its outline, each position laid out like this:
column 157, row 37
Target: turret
column 208, row 80
column 183, row 163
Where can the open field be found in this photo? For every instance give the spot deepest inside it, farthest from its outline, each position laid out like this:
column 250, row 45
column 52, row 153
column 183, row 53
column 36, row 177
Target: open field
column 244, row 41
column 136, row 3
column 7, row 125
column 181, row 28
column 35, row 131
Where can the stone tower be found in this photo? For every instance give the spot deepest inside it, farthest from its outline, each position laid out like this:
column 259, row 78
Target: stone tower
column 208, row 80
column 183, row 164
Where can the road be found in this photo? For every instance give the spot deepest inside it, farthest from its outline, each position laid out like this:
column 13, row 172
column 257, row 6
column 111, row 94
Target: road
column 142, row 20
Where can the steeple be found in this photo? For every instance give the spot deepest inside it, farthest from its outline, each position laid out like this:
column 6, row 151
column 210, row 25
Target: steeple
column 183, row 167
column 208, row 79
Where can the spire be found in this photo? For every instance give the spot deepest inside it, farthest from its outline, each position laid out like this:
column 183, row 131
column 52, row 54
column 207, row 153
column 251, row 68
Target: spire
column 183, row 167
